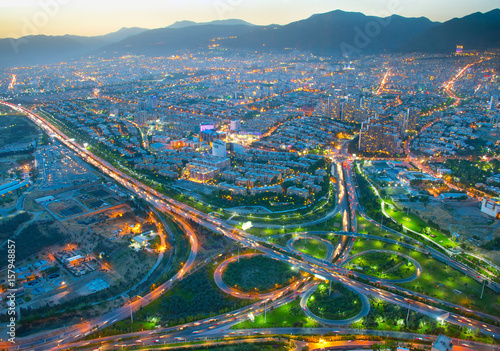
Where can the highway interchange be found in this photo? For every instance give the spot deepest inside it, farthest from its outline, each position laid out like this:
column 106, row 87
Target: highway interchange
column 70, row 337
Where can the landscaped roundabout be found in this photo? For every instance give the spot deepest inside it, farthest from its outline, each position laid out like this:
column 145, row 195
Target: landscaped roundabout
column 314, row 246
column 256, row 276
column 340, row 305
column 388, row 266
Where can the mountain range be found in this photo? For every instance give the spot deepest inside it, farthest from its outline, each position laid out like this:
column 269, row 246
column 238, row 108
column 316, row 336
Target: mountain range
column 332, row 33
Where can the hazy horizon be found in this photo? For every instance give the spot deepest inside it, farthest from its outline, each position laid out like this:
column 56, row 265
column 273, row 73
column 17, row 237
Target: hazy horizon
column 92, row 17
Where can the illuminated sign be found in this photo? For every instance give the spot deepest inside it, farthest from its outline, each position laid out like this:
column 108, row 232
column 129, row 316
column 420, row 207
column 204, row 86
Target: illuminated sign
column 246, row 225
column 204, row 127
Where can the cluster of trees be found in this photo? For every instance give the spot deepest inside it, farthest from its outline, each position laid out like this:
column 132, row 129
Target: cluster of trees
column 493, row 245
column 342, row 303
column 195, row 297
column 261, row 272
column 10, row 225
column 392, row 314
column 376, row 264
column 49, row 316
column 17, row 129
column 25, row 160
column 207, row 238
column 254, row 346
column 480, row 148
column 370, row 201
column 321, row 163
column 445, row 104
column 32, row 239
column 469, row 173
column 224, row 198
column 17, row 152
column 391, row 345
column 395, row 315
column 45, row 139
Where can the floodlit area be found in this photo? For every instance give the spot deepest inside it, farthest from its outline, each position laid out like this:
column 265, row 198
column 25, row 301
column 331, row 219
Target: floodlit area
column 202, row 179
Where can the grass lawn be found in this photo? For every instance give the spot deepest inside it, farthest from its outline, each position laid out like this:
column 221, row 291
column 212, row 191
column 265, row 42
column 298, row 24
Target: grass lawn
column 411, row 220
column 361, row 245
column 288, row 315
column 324, row 226
column 382, row 265
column 314, row 248
column 340, row 304
column 414, row 222
column 315, row 211
column 259, row 274
column 438, row 280
column 366, row 227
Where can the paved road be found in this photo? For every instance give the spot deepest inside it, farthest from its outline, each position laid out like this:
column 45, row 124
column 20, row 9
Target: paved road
column 181, row 210
column 418, row 267
column 327, row 217
column 329, row 246
column 219, row 271
column 365, row 309
column 62, row 335
column 425, row 251
column 218, row 334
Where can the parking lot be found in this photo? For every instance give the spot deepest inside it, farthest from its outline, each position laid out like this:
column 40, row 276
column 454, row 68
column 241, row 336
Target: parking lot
column 61, row 169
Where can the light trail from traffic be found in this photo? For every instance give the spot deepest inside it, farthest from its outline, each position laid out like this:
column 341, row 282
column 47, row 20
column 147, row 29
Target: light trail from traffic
column 166, row 204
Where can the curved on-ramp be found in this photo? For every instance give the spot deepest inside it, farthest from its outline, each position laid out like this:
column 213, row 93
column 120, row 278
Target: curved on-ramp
column 365, row 308
column 329, row 246
column 249, row 296
column 415, row 275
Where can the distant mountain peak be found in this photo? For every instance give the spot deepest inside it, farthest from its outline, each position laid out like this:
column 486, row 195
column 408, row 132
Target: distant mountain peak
column 226, row 22
column 332, row 33
column 122, row 33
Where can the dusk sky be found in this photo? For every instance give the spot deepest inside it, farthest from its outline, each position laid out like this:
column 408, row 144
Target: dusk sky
column 95, row 17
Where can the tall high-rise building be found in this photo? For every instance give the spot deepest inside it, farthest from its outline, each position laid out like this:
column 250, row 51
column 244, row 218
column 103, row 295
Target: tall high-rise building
column 356, row 109
column 491, row 206
column 141, row 117
column 235, row 125
column 493, row 103
column 142, row 105
column 219, row 148
column 151, row 102
column 411, row 119
column 330, row 108
column 379, row 138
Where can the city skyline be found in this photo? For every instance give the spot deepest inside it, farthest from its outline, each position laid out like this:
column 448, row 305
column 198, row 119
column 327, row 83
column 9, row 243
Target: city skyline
column 92, row 18
column 331, row 181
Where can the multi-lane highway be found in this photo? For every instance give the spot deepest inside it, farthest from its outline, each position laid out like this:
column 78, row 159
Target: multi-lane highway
column 219, row 271
column 365, row 308
column 179, row 210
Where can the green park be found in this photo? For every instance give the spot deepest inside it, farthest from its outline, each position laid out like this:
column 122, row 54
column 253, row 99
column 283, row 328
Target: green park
column 259, row 273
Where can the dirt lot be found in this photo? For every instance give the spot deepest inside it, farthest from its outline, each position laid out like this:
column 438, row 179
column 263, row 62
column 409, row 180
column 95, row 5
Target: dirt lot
column 108, row 233
column 66, row 208
column 462, row 217
column 210, row 243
